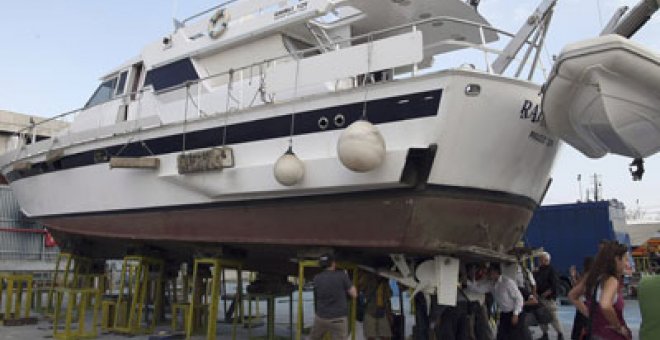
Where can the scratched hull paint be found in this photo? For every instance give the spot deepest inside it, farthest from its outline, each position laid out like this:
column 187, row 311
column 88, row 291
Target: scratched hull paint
column 427, row 221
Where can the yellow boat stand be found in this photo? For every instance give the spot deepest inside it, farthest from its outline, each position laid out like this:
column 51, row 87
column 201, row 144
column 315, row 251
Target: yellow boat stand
column 76, row 302
column 178, row 298
column 198, row 309
column 41, row 285
column 140, row 285
column 16, row 287
column 67, row 269
column 302, row 264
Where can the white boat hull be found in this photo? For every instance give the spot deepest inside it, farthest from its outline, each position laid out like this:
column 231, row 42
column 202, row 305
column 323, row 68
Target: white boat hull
column 459, row 170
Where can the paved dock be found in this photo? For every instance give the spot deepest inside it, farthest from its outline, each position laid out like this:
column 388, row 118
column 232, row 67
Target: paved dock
column 43, row 329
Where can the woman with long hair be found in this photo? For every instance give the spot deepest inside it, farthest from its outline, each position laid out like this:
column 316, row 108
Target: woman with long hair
column 604, row 301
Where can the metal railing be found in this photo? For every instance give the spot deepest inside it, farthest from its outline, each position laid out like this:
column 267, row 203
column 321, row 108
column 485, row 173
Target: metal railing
column 25, row 244
column 241, row 72
column 47, row 256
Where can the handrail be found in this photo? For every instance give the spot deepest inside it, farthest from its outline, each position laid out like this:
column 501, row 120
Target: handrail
column 315, row 49
column 46, row 120
column 357, row 38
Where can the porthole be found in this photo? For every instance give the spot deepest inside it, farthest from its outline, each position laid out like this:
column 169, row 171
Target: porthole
column 323, row 123
column 340, row 120
column 472, row 90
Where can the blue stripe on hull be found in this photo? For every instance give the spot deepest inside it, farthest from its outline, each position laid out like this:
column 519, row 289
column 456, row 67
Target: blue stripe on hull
column 387, row 110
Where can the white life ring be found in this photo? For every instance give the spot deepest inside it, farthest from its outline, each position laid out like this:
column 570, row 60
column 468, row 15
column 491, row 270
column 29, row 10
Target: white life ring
column 218, row 23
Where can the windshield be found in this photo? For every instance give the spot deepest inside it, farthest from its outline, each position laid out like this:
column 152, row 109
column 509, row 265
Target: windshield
column 103, row 93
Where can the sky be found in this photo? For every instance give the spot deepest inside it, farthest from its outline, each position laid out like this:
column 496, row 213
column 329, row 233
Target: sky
column 53, row 53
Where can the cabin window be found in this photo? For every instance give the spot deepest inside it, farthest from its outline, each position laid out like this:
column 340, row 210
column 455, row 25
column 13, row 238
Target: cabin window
column 121, row 85
column 171, row 75
column 103, row 93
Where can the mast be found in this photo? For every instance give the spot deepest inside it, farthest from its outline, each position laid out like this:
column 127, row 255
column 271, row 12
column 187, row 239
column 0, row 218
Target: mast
column 537, row 21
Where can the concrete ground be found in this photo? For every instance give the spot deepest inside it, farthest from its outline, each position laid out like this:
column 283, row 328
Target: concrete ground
column 43, row 330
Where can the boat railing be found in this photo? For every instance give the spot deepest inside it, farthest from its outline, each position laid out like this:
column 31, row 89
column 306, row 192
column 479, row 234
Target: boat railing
column 243, row 71
column 28, row 135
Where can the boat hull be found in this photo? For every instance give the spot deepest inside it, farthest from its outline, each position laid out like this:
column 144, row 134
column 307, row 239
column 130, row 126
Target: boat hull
column 461, row 170
column 429, row 221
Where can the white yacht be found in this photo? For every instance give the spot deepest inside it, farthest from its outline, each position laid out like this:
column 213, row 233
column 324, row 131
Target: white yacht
column 267, row 127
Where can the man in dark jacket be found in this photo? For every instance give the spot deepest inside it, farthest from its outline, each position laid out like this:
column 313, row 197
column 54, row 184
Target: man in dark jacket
column 547, row 282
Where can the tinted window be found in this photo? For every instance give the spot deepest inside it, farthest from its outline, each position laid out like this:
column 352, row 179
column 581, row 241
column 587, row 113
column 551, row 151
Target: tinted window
column 122, row 83
column 172, row 74
column 103, row 93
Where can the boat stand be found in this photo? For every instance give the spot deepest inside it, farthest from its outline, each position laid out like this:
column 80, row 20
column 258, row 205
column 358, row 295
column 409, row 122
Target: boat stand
column 67, row 270
column 16, row 293
column 178, row 297
column 141, row 286
column 76, row 299
column 203, row 308
column 302, row 265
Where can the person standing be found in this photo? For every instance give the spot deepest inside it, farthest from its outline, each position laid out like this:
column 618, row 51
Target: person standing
column 649, row 295
column 509, row 300
column 547, row 282
column 604, row 300
column 378, row 312
column 331, row 288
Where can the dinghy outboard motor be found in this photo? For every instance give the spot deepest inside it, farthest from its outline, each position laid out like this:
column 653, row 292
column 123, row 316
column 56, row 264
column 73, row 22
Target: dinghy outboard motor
column 637, row 169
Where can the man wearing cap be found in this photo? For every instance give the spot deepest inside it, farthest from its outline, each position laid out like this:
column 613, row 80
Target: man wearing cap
column 331, row 288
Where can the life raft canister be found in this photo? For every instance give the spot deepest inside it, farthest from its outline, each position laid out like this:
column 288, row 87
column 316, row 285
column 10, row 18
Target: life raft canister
column 218, row 23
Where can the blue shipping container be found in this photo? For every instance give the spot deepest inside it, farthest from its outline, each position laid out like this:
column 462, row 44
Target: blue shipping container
column 570, row 232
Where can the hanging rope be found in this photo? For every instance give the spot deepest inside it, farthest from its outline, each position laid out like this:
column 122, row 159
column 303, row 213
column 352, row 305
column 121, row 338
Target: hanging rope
column 295, row 100
column 261, row 91
column 185, row 121
column 267, row 99
column 229, row 97
column 192, row 100
column 128, row 142
column 367, row 75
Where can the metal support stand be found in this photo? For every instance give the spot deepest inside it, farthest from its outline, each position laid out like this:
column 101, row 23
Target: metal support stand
column 16, row 287
column 67, row 269
column 77, row 301
column 204, row 302
column 140, row 285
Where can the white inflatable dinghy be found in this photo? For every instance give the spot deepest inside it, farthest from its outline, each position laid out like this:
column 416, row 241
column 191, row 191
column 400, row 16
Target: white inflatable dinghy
column 603, row 96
